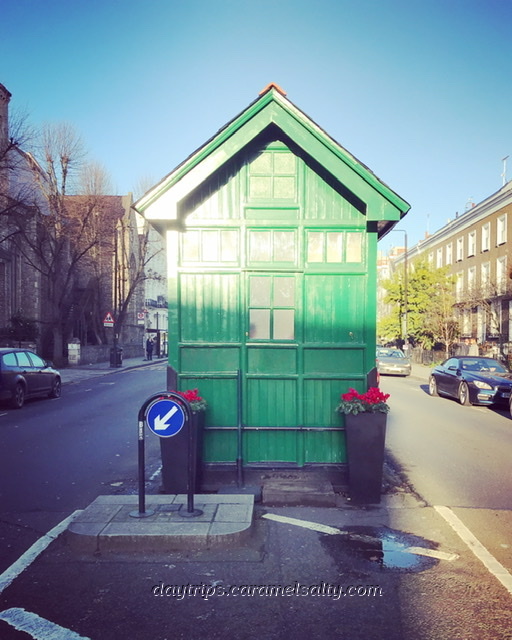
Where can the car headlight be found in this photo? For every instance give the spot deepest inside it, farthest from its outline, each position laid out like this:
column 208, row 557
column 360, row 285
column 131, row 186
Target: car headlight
column 481, row 385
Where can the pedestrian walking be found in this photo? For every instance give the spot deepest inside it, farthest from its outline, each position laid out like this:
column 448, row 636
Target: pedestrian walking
column 149, row 349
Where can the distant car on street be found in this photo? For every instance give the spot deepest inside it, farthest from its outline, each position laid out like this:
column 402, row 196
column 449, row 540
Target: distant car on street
column 23, row 374
column 472, row 380
column 393, row 361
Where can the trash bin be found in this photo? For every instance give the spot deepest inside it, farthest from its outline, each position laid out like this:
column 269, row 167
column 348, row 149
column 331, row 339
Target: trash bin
column 116, row 357
column 175, row 458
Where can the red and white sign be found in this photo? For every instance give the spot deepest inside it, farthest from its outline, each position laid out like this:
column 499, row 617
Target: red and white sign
column 108, row 320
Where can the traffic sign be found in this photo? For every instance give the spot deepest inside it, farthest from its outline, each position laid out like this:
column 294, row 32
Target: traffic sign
column 108, row 320
column 165, row 417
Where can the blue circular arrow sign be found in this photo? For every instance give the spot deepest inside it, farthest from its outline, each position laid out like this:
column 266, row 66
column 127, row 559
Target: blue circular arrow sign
column 165, row 417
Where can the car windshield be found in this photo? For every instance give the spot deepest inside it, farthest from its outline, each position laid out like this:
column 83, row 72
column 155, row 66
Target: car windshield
column 389, row 353
column 482, row 364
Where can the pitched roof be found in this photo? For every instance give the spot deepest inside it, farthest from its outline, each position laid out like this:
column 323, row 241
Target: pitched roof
column 272, row 108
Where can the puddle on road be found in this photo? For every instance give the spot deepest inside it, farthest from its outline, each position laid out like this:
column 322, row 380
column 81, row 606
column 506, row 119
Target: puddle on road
column 381, row 546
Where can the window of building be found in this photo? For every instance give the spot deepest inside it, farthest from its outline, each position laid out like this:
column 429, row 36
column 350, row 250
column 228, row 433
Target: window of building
column 485, row 276
column 471, row 243
column 431, row 259
column 495, row 318
column 449, row 253
column 471, row 280
column 439, row 258
column 459, row 285
column 460, row 249
column 501, row 230
column 272, row 307
column 501, row 275
column 334, row 247
column 486, row 236
column 466, row 322
column 273, row 175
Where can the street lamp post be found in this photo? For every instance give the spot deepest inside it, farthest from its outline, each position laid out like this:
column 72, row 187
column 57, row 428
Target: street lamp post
column 403, row 323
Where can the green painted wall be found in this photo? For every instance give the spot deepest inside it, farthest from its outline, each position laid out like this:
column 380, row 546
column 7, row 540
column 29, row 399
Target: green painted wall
column 275, row 276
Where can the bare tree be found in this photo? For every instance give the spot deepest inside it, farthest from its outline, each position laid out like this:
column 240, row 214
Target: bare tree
column 53, row 232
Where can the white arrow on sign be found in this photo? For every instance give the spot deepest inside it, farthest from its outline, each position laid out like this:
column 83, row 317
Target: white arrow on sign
column 161, row 423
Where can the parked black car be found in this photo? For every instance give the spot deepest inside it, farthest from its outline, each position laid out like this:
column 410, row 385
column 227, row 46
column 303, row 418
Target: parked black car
column 23, row 374
column 472, row 380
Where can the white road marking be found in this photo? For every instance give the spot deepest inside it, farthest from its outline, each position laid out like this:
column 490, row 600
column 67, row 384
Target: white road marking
column 432, row 553
column 322, row 528
column 31, row 554
column 37, row 627
column 489, row 561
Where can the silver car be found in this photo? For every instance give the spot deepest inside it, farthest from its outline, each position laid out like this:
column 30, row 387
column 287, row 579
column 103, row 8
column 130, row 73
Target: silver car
column 393, row 362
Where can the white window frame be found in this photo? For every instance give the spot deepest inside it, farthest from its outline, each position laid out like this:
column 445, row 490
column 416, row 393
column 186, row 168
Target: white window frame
column 449, row 253
column 459, row 285
column 486, row 237
column 460, row 249
column 439, row 258
column 501, row 230
column 501, row 275
column 485, row 276
column 471, row 243
column 471, row 280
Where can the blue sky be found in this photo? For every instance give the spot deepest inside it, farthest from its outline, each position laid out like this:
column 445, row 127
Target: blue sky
column 420, row 92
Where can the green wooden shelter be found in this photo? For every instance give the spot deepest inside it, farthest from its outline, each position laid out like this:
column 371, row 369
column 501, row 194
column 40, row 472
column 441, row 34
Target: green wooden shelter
column 271, row 230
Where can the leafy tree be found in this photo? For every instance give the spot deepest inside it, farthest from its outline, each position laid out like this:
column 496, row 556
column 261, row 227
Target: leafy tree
column 430, row 301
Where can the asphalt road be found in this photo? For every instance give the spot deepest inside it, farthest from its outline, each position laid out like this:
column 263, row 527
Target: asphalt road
column 455, row 456
column 59, row 455
column 82, row 446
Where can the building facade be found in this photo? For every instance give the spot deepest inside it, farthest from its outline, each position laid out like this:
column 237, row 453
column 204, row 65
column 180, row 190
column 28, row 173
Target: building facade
column 475, row 248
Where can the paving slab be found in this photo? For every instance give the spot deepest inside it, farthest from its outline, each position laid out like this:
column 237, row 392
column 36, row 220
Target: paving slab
column 107, row 525
column 295, row 488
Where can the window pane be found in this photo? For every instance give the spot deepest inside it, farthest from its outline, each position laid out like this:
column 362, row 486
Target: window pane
column 209, row 245
column 334, row 246
column 284, row 321
column 259, row 324
column 262, row 164
column 260, row 187
column 354, row 247
column 191, row 246
column 284, row 187
column 10, row 360
column 259, row 295
column 259, row 246
column 229, row 246
column 315, row 246
column 284, row 246
column 36, row 360
column 23, row 360
column 284, row 163
column 284, row 292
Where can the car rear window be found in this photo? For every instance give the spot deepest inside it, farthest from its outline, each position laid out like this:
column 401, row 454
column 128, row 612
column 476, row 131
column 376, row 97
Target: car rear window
column 9, row 360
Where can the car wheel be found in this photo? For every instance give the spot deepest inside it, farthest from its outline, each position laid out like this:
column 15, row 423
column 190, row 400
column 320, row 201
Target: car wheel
column 463, row 394
column 432, row 387
column 56, row 389
column 18, row 397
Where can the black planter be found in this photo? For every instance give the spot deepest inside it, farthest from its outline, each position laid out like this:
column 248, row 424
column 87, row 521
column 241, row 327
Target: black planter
column 366, row 437
column 176, row 460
